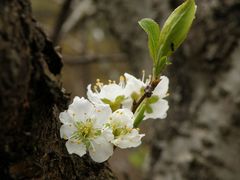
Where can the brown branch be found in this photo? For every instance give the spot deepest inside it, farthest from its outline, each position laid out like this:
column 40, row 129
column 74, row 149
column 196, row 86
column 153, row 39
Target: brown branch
column 147, row 94
column 63, row 15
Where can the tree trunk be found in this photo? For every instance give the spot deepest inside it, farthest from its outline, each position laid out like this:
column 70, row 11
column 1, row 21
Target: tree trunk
column 200, row 139
column 122, row 17
column 30, row 101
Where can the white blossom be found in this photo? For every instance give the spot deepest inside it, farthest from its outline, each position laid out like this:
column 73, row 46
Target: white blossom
column 111, row 94
column 84, row 129
column 107, row 120
column 156, row 106
column 121, row 123
column 129, row 90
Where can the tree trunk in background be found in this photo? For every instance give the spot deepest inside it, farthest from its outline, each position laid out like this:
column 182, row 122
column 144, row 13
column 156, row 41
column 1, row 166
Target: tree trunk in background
column 30, row 101
column 122, row 17
column 200, row 139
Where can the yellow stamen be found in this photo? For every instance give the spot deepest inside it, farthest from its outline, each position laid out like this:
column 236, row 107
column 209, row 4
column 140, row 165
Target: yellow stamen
column 122, row 81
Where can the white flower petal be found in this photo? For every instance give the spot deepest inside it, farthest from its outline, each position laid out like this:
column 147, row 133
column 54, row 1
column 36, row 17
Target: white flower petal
column 81, row 109
column 79, row 149
column 132, row 139
column 111, row 91
column 65, row 118
column 127, row 103
column 108, row 134
column 101, row 115
column 162, row 87
column 67, row 130
column 122, row 116
column 93, row 97
column 132, row 85
column 101, row 149
column 159, row 110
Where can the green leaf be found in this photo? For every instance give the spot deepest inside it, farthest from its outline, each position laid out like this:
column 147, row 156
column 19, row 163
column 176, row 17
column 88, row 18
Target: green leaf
column 139, row 114
column 176, row 28
column 153, row 31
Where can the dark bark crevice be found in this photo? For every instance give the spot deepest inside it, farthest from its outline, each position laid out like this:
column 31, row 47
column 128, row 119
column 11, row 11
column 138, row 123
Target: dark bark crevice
column 30, row 101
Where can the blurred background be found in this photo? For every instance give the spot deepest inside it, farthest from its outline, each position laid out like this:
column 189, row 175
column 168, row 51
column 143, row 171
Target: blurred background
column 101, row 39
column 90, row 50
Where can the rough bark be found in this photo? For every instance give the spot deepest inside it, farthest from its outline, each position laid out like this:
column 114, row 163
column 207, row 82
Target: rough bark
column 200, row 137
column 30, row 101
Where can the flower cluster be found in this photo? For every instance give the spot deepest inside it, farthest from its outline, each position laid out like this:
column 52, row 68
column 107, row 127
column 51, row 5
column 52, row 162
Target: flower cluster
column 106, row 120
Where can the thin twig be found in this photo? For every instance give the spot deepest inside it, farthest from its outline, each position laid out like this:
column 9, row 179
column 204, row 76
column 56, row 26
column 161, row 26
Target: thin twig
column 63, row 15
column 147, row 94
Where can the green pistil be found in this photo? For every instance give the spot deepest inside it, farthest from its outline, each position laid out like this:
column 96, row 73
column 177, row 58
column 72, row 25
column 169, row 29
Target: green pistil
column 120, row 131
column 114, row 105
column 85, row 132
column 85, row 129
